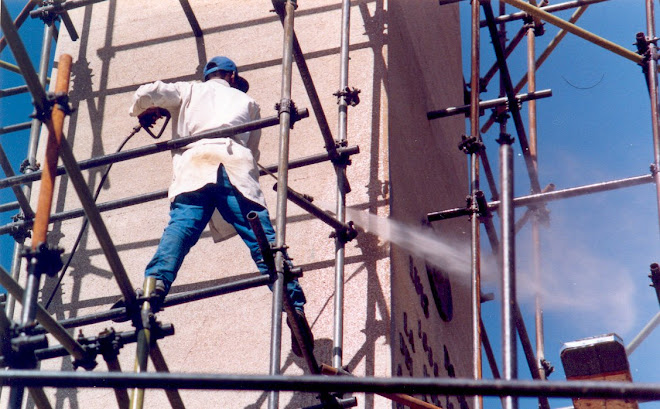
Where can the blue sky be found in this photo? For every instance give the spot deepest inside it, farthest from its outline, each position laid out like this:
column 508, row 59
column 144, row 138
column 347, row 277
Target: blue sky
column 597, row 249
column 596, row 127
column 14, row 110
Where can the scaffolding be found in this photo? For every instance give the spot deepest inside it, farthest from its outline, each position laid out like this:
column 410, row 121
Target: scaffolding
column 24, row 343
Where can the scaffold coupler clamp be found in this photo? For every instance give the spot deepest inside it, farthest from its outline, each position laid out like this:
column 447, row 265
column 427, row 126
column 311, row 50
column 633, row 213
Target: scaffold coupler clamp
column 505, row 139
column 481, row 209
column 21, row 231
column 45, row 258
column 351, row 96
column 470, row 144
column 345, row 234
column 547, row 367
column 655, row 279
column 27, row 167
column 539, row 29
column 18, row 352
column 61, row 99
column 341, row 159
column 642, row 43
column 51, row 14
column 289, row 107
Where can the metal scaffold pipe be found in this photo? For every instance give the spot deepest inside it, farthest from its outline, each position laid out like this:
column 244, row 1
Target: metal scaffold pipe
column 652, row 81
column 285, row 7
column 539, row 61
column 539, row 198
column 510, row 93
column 508, row 257
column 306, row 383
column 571, row 28
column 475, row 250
column 148, row 197
column 158, row 147
column 550, row 9
column 340, row 250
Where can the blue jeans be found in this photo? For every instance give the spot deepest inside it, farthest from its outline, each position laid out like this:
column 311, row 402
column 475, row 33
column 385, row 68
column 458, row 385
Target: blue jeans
column 189, row 214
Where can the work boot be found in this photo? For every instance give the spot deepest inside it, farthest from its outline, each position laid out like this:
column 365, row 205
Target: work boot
column 307, row 333
column 157, row 298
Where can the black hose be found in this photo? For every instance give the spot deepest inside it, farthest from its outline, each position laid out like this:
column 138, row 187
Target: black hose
column 85, row 222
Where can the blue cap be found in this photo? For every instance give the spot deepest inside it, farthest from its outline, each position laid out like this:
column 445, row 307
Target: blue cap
column 222, row 63
column 219, row 63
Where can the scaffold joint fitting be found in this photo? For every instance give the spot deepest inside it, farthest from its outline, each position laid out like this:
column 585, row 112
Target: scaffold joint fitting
column 19, row 352
column 27, row 167
column 289, row 107
column 470, row 144
column 46, row 258
column 655, row 279
column 547, row 367
column 350, row 95
column 22, row 231
column 504, row 139
column 345, row 234
column 60, row 99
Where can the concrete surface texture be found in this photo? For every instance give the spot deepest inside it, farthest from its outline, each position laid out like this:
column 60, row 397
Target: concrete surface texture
column 403, row 316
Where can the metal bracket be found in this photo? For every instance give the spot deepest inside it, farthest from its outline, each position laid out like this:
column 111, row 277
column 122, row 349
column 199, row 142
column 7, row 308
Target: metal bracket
column 547, row 367
column 288, row 106
column 345, row 235
column 27, row 167
column 350, row 94
column 655, row 279
column 20, row 232
column 45, row 257
column 505, row 138
column 470, row 144
column 60, row 99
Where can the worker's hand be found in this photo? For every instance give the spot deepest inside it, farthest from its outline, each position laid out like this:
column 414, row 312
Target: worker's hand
column 149, row 117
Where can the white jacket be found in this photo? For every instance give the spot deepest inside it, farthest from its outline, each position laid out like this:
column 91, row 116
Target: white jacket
column 204, row 106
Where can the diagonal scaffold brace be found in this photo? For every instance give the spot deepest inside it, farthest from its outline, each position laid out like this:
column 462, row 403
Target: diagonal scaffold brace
column 294, row 320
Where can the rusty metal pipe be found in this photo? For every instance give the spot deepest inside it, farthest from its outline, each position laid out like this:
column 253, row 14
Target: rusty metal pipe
column 513, row 106
column 652, row 80
column 475, row 252
column 492, row 103
column 539, row 61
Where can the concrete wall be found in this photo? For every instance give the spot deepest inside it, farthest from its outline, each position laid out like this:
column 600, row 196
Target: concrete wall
column 405, row 58
column 430, row 300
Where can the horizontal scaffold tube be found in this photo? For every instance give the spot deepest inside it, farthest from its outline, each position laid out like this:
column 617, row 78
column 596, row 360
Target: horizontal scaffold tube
column 171, row 300
column 550, row 9
column 148, row 197
column 573, row 29
column 305, row 383
column 156, row 148
column 465, row 109
column 549, row 196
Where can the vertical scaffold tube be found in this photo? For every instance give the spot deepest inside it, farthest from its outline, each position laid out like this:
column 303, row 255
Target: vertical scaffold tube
column 474, row 187
column 338, row 339
column 32, row 158
column 652, row 78
column 282, row 186
column 143, row 343
column 508, row 231
column 536, row 241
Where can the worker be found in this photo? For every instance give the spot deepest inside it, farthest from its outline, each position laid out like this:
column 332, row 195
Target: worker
column 218, row 174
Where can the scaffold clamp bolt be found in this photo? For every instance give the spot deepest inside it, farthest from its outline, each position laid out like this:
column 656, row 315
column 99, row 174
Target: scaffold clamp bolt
column 470, row 144
column 289, row 107
column 349, row 94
